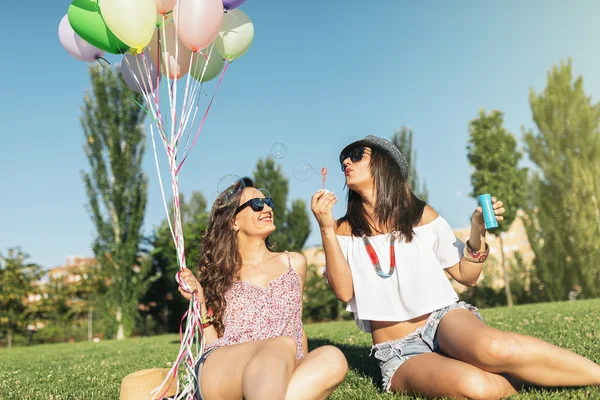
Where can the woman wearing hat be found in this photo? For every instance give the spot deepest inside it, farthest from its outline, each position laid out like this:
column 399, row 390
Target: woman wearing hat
column 251, row 301
column 386, row 258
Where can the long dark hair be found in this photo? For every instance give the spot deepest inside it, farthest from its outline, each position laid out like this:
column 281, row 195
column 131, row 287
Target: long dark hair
column 220, row 261
column 396, row 207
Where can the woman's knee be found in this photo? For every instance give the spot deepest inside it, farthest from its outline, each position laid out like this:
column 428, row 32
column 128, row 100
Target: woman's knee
column 279, row 352
column 497, row 351
column 334, row 363
column 285, row 344
column 480, row 386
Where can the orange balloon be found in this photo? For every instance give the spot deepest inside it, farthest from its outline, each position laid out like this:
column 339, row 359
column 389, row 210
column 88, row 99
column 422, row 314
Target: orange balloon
column 175, row 59
column 164, row 6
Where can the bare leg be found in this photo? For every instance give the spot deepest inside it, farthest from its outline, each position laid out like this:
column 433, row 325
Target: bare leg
column 318, row 374
column 434, row 375
column 463, row 336
column 253, row 370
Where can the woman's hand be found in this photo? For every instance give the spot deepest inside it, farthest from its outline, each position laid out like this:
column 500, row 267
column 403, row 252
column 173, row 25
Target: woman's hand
column 188, row 284
column 477, row 218
column 321, row 205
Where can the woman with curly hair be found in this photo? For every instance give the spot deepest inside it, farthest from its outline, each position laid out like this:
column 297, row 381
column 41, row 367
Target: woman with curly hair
column 251, row 303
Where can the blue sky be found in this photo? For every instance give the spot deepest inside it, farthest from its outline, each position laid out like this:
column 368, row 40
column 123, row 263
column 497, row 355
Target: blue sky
column 319, row 74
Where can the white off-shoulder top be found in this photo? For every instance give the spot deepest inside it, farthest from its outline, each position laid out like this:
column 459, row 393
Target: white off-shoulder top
column 419, row 284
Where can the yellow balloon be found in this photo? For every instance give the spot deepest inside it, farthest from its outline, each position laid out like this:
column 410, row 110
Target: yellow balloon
column 236, row 35
column 132, row 21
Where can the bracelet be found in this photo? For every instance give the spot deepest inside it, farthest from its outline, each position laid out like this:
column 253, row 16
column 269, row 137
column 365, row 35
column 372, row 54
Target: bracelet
column 207, row 319
column 476, row 256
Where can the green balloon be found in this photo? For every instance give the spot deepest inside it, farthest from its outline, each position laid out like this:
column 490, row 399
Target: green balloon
column 214, row 68
column 86, row 20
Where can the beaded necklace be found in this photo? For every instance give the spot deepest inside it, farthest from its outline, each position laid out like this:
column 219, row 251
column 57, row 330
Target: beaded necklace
column 375, row 259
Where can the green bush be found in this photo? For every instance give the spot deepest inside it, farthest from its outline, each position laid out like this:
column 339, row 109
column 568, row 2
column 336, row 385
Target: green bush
column 320, row 303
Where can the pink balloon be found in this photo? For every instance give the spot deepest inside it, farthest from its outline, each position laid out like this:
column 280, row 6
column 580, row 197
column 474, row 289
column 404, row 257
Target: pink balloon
column 164, row 6
column 75, row 45
column 178, row 59
column 198, row 22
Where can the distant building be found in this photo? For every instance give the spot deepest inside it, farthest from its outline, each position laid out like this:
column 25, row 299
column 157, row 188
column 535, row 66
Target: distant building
column 515, row 242
column 70, row 273
column 316, row 256
column 71, row 270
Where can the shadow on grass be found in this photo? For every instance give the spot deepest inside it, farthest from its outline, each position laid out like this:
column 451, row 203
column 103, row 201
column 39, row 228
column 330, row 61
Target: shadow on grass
column 357, row 356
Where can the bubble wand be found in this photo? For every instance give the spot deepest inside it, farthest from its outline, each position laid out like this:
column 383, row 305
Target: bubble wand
column 323, row 175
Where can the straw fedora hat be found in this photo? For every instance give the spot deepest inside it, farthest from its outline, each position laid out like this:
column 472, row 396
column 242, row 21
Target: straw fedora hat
column 139, row 384
column 383, row 145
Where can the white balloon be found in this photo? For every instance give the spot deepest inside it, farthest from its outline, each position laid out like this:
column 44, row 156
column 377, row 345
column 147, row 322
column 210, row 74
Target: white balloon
column 75, row 45
column 139, row 72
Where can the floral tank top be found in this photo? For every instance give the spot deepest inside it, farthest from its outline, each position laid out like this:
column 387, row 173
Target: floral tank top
column 255, row 312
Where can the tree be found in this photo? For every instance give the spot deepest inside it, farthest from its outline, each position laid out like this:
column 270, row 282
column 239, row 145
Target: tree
column 492, row 151
column 293, row 226
column 320, row 303
column 116, row 187
column 163, row 301
column 297, row 225
column 402, row 139
column 60, row 306
column 18, row 280
column 563, row 221
column 90, row 289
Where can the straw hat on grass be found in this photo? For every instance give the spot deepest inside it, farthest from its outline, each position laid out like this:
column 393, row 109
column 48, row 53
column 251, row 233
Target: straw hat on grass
column 139, row 384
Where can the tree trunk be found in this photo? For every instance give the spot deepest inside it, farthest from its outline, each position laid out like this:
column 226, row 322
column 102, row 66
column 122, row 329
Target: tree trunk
column 120, row 330
column 9, row 338
column 90, row 315
column 509, row 301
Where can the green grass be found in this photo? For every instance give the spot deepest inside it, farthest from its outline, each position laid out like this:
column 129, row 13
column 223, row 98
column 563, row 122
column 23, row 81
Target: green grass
column 95, row 370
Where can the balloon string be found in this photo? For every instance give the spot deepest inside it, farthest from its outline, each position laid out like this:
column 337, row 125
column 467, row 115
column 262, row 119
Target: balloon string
column 204, row 118
column 196, row 98
column 103, row 59
column 143, row 108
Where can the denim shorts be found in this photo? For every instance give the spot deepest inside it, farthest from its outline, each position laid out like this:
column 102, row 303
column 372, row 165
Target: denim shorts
column 199, row 365
column 391, row 355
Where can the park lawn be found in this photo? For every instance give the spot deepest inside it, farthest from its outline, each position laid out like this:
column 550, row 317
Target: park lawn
column 95, row 370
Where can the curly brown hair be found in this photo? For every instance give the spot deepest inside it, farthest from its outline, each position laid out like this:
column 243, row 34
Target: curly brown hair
column 220, row 262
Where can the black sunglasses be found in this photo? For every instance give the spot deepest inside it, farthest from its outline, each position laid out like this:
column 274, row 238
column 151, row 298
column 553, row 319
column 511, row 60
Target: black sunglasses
column 355, row 155
column 257, row 204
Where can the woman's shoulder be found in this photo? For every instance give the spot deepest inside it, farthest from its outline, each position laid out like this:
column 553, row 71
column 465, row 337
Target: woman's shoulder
column 342, row 228
column 297, row 261
column 429, row 215
column 294, row 256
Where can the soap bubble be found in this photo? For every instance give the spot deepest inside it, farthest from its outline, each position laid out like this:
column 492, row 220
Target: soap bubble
column 278, row 150
column 229, row 190
column 303, row 171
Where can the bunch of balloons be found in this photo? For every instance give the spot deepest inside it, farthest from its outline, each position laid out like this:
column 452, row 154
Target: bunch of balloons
column 168, row 32
column 165, row 40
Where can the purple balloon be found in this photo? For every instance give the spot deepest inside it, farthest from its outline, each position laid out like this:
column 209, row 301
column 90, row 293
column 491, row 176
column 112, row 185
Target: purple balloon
column 232, row 4
column 75, row 45
column 136, row 70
